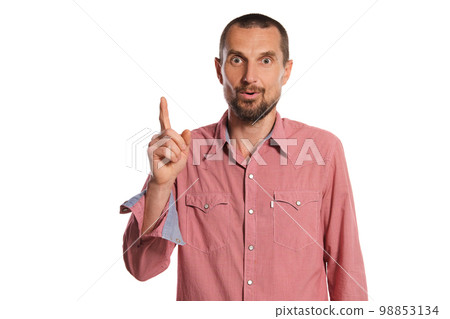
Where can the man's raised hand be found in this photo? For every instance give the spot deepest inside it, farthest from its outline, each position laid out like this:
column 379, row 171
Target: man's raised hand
column 167, row 151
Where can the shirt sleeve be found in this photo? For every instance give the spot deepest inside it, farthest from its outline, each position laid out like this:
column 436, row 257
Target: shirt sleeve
column 148, row 255
column 342, row 252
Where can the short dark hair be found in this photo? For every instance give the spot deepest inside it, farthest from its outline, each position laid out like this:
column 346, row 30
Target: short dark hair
column 256, row 20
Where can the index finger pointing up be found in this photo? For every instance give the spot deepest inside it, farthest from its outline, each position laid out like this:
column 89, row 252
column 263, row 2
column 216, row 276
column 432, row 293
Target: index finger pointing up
column 164, row 114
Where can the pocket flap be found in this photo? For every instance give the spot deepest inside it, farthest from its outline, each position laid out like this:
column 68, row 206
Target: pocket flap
column 207, row 202
column 296, row 199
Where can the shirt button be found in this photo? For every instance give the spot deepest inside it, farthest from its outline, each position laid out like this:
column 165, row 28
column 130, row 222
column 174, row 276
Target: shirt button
column 250, row 247
column 206, row 206
column 298, row 203
column 250, row 211
column 249, row 282
column 250, row 176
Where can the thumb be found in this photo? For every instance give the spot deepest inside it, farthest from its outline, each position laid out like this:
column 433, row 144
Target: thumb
column 186, row 135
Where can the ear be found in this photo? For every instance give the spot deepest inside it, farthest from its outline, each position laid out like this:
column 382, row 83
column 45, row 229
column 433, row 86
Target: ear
column 218, row 70
column 287, row 71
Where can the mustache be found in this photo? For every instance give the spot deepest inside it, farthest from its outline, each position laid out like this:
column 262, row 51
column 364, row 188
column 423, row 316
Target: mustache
column 252, row 88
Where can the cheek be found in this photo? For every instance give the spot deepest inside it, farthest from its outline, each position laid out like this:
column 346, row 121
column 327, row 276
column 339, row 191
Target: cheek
column 283, row 76
column 232, row 75
column 227, row 85
column 228, row 88
column 279, row 80
column 273, row 82
column 280, row 77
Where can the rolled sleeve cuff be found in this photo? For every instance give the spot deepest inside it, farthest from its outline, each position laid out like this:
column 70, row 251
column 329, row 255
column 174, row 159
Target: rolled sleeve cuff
column 166, row 226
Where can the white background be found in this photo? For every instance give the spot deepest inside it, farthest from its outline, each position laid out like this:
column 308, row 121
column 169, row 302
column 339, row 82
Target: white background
column 78, row 79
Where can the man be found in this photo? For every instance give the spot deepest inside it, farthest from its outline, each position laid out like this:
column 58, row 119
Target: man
column 260, row 206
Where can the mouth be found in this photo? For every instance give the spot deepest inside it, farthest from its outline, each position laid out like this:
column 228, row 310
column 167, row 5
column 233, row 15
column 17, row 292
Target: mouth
column 249, row 95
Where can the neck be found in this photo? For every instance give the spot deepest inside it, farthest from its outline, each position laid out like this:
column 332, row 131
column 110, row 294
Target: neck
column 241, row 131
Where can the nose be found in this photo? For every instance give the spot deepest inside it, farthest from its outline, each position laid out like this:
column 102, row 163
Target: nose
column 250, row 75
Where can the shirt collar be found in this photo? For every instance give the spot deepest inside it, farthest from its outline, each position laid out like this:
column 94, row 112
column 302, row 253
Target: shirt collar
column 221, row 131
column 277, row 134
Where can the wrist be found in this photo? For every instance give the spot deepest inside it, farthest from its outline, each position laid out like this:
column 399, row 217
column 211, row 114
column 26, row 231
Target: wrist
column 153, row 185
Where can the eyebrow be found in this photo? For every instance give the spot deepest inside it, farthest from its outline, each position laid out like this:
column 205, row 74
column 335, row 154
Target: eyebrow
column 266, row 53
column 269, row 53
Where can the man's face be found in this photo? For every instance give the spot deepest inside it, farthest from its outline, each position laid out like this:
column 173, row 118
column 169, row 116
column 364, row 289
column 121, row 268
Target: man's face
column 252, row 71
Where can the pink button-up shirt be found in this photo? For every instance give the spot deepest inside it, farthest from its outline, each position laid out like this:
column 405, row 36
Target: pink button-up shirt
column 281, row 226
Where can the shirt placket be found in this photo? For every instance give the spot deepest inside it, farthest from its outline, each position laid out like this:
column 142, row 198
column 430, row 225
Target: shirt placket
column 250, row 249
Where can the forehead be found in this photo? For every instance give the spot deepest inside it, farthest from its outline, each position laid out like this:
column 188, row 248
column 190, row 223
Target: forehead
column 253, row 40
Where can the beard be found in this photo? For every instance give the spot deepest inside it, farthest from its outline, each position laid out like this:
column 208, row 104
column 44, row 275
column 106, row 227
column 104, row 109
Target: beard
column 251, row 111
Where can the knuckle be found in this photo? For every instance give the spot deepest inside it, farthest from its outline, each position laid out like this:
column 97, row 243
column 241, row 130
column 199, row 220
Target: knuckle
column 157, row 136
column 161, row 142
column 176, row 149
column 171, row 133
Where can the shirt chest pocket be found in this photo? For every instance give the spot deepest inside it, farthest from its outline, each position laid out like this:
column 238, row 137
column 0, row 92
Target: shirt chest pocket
column 296, row 218
column 207, row 220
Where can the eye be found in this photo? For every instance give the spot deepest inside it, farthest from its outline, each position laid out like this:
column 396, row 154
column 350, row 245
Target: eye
column 266, row 61
column 236, row 60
